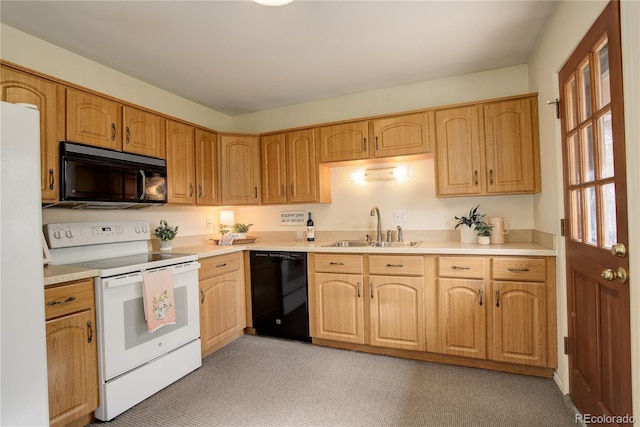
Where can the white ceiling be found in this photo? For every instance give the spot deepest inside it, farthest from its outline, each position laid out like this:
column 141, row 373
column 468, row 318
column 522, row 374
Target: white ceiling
column 238, row 57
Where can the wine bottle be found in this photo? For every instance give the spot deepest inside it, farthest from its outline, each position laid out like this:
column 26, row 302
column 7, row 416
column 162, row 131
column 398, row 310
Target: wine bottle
column 310, row 230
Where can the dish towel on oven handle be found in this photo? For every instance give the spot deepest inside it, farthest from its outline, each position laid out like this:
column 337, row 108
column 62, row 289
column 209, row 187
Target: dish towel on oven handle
column 158, row 298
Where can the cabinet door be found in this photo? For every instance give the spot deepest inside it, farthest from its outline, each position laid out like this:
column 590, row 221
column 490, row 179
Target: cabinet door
column 513, row 160
column 274, row 168
column 403, row 135
column 208, row 191
column 459, row 148
column 143, row 132
column 180, row 163
column 347, row 141
column 21, row 87
column 339, row 304
column 222, row 314
column 72, row 367
column 462, row 319
column 93, row 120
column 519, row 323
column 397, row 312
column 302, row 169
column 240, row 167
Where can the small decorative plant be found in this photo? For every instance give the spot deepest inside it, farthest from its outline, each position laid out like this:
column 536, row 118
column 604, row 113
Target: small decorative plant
column 484, row 229
column 164, row 232
column 241, row 228
column 473, row 220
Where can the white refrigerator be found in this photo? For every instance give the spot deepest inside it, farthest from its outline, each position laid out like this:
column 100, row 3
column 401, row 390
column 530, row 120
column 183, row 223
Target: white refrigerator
column 23, row 352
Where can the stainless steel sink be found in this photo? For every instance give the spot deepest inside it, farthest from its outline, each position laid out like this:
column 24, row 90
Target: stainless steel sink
column 395, row 244
column 350, row 243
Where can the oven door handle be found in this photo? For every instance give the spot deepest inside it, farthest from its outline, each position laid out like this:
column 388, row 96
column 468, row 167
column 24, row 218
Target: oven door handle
column 128, row 279
column 183, row 268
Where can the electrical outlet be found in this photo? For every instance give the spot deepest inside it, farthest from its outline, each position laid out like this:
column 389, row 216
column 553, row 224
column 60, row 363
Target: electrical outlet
column 399, row 217
column 208, row 223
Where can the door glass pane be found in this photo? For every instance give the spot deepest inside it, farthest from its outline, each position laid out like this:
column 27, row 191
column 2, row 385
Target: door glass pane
column 591, row 216
column 609, row 225
column 570, row 104
column 605, row 146
column 576, row 215
column 603, row 93
column 588, row 172
column 584, row 76
column 573, row 159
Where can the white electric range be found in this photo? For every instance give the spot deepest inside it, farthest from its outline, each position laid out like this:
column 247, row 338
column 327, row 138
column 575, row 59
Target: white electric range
column 133, row 362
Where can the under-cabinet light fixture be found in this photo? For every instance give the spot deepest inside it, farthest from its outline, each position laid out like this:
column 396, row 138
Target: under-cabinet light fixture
column 395, row 173
column 273, row 2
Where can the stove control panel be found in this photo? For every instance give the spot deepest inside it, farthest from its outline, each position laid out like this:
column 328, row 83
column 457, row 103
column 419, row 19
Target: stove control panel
column 70, row 234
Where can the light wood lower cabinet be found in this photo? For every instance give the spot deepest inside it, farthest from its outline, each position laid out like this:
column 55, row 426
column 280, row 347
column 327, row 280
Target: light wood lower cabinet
column 222, row 301
column 72, row 361
column 374, row 309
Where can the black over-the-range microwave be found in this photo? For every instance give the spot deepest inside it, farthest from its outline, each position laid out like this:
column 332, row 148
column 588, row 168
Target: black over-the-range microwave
column 93, row 177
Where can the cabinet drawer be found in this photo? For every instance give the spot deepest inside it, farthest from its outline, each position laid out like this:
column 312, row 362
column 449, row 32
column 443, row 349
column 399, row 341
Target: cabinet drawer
column 522, row 269
column 466, row 267
column 217, row 265
column 68, row 298
column 352, row 264
column 393, row 265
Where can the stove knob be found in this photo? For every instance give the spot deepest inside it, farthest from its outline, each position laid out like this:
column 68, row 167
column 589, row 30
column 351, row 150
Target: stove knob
column 69, row 234
column 57, row 235
column 137, row 229
column 144, row 229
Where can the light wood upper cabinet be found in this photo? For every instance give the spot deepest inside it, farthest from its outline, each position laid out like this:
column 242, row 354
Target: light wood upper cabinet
column 403, row 135
column 459, row 151
column 489, row 148
column 144, row 133
column 346, row 141
column 181, row 174
column 240, row 169
column 19, row 87
column 93, row 120
column 208, row 184
column 512, row 152
column 290, row 171
column 72, row 360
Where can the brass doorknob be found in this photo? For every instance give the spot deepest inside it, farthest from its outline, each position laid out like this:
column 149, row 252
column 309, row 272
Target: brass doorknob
column 619, row 250
column 620, row 274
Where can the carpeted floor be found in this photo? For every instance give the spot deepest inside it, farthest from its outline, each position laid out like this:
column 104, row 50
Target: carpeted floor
column 260, row 381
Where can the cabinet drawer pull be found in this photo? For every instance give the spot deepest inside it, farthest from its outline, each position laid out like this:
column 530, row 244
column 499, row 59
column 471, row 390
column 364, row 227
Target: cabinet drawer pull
column 480, row 293
column 90, row 329
column 395, row 265
column 128, row 134
column 457, row 267
column 221, row 265
column 64, row 301
column 358, row 285
column 201, row 296
column 113, row 131
column 518, row 270
column 51, row 179
column 497, row 297
column 336, row 263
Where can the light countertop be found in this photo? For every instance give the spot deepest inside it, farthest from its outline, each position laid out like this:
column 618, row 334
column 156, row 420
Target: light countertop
column 54, row 274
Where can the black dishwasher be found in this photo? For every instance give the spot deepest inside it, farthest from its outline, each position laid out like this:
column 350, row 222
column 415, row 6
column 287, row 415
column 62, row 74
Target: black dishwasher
column 279, row 294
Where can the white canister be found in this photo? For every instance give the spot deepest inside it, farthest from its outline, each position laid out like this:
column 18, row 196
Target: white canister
column 500, row 228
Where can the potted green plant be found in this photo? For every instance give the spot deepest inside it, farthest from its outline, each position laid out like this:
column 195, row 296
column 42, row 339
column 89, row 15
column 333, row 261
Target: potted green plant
column 240, row 230
column 165, row 233
column 484, row 233
column 468, row 225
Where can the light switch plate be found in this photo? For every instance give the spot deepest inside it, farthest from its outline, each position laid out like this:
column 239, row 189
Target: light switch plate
column 399, row 217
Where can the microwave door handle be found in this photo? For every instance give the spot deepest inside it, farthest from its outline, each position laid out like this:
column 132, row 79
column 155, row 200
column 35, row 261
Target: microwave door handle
column 143, row 180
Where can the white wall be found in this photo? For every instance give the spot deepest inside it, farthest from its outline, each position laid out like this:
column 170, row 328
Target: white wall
column 565, row 29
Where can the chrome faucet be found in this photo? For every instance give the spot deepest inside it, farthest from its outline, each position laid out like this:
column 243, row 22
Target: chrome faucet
column 376, row 211
column 400, row 239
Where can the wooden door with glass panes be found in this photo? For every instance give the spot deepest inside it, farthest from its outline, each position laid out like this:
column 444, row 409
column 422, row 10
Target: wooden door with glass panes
column 596, row 209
